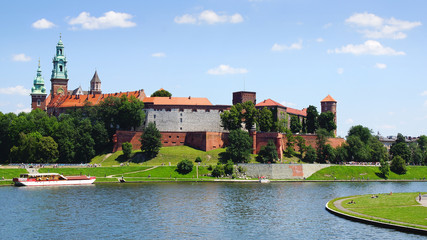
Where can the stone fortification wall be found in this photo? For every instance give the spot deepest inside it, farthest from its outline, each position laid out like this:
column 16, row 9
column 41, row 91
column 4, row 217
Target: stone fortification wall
column 282, row 171
column 185, row 120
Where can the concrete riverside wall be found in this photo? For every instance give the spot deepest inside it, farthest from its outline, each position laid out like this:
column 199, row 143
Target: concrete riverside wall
column 282, row 171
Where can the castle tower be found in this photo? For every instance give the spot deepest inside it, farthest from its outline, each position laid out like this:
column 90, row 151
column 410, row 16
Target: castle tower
column 328, row 104
column 95, row 84
column 243, row 96
column 38, row 92
column 59, row 78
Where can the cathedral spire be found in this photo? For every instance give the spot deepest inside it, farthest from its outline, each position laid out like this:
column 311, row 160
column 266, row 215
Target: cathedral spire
column 59, row 76
column 38, row 91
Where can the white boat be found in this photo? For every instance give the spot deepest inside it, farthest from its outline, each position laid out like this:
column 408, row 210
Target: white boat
column 264, row 180
column 51, row 179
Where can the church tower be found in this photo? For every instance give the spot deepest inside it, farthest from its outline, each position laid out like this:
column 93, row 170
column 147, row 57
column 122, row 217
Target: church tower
column 59, row 78
column 95, row 84
column 328, row 104
column 38, row 92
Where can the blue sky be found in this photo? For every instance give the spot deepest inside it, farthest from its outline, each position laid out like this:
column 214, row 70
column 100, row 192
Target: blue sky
column 368, row 55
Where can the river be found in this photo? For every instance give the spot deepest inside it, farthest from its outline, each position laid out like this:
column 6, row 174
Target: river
column 189, row 211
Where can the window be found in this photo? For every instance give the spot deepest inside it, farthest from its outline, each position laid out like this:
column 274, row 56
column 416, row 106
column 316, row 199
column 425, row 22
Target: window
column 180, row 119
column 177, row 136
column 207, row 110
column 168, row 109
column 39, row 102
column 170, row 136
column 181, row 114
column 154, row 116
column 180, row 128
column 60, row 68
column 181, row 110
column 194, row 110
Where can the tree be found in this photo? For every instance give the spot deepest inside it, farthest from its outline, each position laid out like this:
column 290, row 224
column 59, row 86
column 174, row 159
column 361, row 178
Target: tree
column 232, row 119
column 250, row 114
column 363, row 133
column 218, row 171
column 310, row 156
column 240, row 146
column 378, row 151
column 290, row 142
column 384, row 168
column 326, row 121
column 321, row 139
column 229, row 168
column 400, row 138
column 151, row 141
column 416, row 154
column 311, row 122
column 341, row 154
column 47, row 150
column 296, row 125
column 127, row 149
column 130, row 112
column 265, row 120
column 301, row 145
column 184, row 167
column 398, row 165
column 268, row 153
column 422, row 142
column 401, row 149
column 357, row 150
column 161, row 93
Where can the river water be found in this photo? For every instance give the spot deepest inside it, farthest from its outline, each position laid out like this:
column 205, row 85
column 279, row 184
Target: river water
column 189, row 211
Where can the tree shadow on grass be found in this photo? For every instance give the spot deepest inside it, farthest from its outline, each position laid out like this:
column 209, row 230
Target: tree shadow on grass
column 139, row 157
column 122, row 159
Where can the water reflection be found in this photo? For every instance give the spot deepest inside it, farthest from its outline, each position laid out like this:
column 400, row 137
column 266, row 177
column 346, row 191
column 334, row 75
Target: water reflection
column 188, row 211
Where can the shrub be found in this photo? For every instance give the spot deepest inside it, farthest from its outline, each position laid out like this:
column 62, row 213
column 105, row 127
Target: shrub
column 218, row 171
column 184, row 167
column 384, row 169
column 151, row 141
column 398, row 165
column 229, row 168
column 310, row 155
column 210, row 167
column 198, row 160
column 267, row 154
column 127, row 149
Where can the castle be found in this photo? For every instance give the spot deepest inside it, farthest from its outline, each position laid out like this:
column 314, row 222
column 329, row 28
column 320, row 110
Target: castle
column 190, row 120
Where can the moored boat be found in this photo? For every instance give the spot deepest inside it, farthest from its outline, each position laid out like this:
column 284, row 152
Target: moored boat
column 51, row 179
column 264, row 180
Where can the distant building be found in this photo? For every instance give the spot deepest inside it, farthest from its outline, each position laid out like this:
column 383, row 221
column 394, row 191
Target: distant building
column 328, row 104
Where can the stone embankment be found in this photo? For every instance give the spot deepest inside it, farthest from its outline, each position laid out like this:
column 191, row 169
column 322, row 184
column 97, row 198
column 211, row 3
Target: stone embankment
column 282, row 171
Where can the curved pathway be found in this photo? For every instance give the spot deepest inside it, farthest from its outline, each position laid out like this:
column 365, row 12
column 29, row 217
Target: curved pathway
column 115, row 175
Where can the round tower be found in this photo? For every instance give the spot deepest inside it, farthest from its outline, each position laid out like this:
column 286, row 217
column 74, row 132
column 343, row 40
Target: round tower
column 328, row 104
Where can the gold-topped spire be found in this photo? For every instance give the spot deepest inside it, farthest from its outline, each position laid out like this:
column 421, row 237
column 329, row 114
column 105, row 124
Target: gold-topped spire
column 39, row 61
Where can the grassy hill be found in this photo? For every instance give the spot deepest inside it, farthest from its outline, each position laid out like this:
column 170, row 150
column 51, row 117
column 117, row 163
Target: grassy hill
column 365, row 172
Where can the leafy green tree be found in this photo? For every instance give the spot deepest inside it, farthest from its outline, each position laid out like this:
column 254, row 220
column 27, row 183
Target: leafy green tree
column 290, row 142
column 100, row 137
column 198, row 160
column 250, row 114
column 268, row 153
column 232, row 119
column 151, row 141
column 296, row 125
column 130, row 113
column 311, row 155
column 401, row 149
column 357, row 150
column 229, row 168
column 26, row 149
column 321, row 139
column 301, row 145
column 384, row 168
column 240, row 146
column 218, row 171
column 422, row 143
column 282, row 123
column 47, row 150
column 363, row 133
column 127, row 149
column 378, row 151
column 311, row 122
column 326, row 121
column 184, row 167
column 108, row 113
column 161, row 93
column 5, row 141
column 400, row 138
column 417, row 156
column 398, row 165
column 341, row 154
column 265, row 120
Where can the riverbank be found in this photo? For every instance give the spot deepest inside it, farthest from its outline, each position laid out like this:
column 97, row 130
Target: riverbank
column 400, row 211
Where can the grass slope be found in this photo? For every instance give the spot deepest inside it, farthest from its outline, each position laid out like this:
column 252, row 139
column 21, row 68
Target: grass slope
column 400, row 207
column 371, row 172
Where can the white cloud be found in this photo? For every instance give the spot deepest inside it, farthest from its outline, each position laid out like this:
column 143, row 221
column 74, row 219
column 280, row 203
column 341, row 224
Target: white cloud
column 226, row 69
column 376, row 27
column 43, row 24
column 209, row 17
column 381, row 65
column 158, row 55
column 349, row 121
column 18, row 90
column 340, row 70
column 369, row 47
column 288, row 104
column 110, row 19
column 424, row 93
column 319, row 40
column 294, row 46
column 21, row 58
column 19, row 110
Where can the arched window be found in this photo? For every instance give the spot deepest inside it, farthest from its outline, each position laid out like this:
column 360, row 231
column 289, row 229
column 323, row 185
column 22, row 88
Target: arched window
column 60, row 68
column 39, row 102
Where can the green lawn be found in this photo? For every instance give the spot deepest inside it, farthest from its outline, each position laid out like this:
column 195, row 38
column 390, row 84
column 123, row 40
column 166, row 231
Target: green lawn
column 400, row 207
column 9, row 173
column 371, row 172
column 169, row 172
column 98, row 171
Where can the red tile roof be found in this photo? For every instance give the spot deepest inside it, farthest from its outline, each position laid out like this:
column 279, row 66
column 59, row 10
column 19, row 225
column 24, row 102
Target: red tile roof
column 328, row 99
column 271, row 103
column 67, row 101
column 177, row 101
